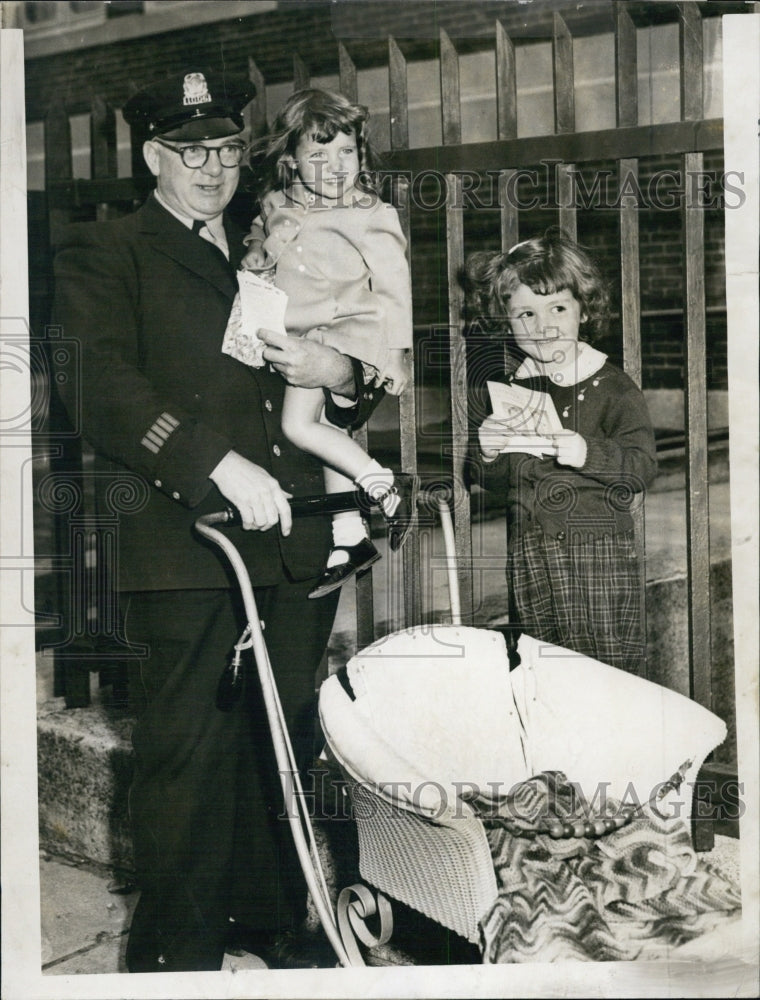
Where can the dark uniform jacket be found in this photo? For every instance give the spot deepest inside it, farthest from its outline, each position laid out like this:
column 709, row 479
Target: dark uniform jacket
column 148, row 302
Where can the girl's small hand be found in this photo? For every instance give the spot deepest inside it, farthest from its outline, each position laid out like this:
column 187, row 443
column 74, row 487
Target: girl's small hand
column 256, row 258
column 571, row 449
column 395, row 375
column 494, row 435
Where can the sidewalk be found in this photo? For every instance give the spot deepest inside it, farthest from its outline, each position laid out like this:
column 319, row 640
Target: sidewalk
column 84, row 926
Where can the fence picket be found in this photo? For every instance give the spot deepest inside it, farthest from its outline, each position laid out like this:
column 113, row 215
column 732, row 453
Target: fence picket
column 458, row 383
column 695, row 388
column 691, row 50
column 399, row 96
column 506, row 85
column 256, row 112
column 564, row 121
column 349, row 84
column 102, row 146
column 626, row 113
column 451, row 108
column 301, row 75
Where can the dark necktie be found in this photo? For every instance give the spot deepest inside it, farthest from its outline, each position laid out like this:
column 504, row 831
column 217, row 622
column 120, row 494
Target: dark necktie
column 201, row 229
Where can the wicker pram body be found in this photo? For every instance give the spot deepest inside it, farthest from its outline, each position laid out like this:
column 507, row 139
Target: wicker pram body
column 437, row 717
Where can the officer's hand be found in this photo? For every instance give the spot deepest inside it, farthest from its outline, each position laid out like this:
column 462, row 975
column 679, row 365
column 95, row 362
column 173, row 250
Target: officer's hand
column 257, row 495
column 395, row 376
column 307, row 363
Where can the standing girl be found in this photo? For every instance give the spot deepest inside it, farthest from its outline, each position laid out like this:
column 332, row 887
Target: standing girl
column 572, row 569
column 339, row 253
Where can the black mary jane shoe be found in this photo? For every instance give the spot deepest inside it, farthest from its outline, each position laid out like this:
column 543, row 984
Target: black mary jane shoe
column 360, row 557
column 400, row 522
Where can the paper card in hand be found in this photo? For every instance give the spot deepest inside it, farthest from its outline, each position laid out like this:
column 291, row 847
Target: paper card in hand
column 532, row 414
column 258, row 305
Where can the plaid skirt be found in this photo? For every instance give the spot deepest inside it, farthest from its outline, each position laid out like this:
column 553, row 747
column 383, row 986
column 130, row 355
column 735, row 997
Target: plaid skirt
column 582, row 595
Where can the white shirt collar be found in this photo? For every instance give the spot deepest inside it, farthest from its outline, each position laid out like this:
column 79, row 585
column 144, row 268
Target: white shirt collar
column 215, row 226
column 586, row 362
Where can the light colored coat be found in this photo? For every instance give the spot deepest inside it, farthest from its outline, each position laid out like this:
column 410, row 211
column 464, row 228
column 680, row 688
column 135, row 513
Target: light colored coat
column 343, row 267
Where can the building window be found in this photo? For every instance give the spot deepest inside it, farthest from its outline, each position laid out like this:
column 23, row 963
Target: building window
column 39, row 12
column 118, row 7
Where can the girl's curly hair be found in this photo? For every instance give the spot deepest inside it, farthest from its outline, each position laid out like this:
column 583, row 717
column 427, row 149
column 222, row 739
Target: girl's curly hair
column 546, row 264
column 321, row 115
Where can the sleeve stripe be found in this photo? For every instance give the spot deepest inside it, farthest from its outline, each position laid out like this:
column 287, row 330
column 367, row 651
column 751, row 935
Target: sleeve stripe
column 150, row 446
column 157, row 439
column 157, row 435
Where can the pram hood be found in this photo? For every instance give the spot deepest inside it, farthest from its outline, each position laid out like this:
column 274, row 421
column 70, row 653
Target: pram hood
column 438, row 718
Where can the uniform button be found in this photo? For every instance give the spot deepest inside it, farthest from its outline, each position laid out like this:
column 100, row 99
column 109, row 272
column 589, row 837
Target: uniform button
column 268, row 405
column 299, row 249
column 197, row 395
column 301, row 267
column 175, row 495
column 276, row 450
column 560, row 536
column 158, row 484
column 286, row 222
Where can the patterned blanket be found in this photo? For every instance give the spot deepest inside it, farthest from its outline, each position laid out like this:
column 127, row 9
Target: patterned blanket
column 635, row 892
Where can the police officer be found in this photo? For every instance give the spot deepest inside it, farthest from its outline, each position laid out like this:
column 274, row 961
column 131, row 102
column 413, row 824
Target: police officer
column 148, row 297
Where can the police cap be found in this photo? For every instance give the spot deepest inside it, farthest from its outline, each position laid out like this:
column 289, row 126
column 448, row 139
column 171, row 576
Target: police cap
column 196, row 104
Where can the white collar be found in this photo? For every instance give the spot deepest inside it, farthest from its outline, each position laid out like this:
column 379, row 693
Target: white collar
column 215, row 226
column 586, row 362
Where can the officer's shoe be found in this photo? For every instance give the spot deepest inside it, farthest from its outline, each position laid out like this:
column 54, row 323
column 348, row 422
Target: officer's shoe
column 360, row 557
column 301, row 949
column 290, row 949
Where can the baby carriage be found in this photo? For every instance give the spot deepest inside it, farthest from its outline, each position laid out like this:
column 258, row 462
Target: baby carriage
column 431, row 718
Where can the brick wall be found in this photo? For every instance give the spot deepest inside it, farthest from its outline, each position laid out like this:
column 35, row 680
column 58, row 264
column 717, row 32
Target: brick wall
column 307, row 27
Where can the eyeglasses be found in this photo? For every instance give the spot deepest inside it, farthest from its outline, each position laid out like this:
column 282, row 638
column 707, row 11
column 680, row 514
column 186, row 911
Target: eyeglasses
column 196, row 156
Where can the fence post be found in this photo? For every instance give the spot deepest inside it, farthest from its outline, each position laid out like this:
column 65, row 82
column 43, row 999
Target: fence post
column 65, row 448
column 564, row 121
column 627, row 114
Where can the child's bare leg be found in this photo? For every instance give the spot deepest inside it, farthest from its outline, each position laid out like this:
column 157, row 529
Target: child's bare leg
column 348, row 527
column 301, row 424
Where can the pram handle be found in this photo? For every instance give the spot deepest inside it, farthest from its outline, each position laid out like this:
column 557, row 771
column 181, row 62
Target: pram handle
column 326, row 503
column 437, row 495
column 322, row 503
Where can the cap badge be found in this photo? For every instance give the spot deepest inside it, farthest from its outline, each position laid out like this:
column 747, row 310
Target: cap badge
column 195, row 89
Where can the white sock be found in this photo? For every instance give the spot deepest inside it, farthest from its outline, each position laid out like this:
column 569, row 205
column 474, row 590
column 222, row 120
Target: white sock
column 347, row 529
column 376, row 482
